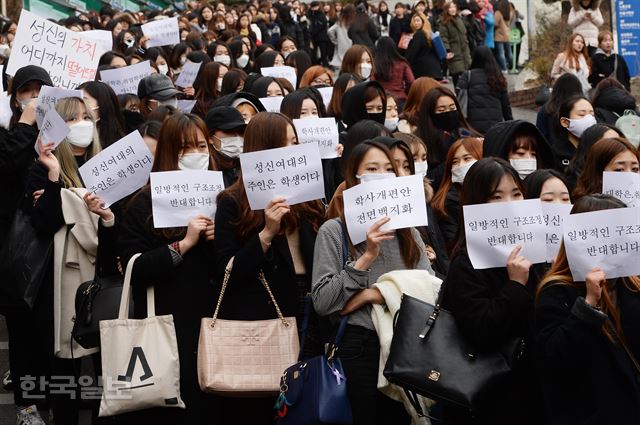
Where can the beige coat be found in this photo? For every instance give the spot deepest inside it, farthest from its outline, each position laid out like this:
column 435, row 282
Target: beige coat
column 501, row 28
column 75, row 248
column 586, row 26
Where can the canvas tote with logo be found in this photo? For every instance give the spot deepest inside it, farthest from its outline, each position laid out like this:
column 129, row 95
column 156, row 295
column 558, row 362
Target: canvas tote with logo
column 140, row 364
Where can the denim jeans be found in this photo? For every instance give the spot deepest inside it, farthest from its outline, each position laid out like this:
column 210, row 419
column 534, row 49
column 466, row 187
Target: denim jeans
column 502, row 52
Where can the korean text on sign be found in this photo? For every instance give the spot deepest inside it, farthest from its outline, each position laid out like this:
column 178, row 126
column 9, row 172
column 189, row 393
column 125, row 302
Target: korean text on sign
column 609, row 239
column 179, row 196
column 554, row 215
column 286, row 72
column 71, row 58
column 624, row 186
column 188, row 75
column 401, row 199
column 163, row 32
column 119, row 170
column 53, row 129
column 293, row 172
column 321, row 131
column 48, row 98
column 125, row 80
column 493, row 231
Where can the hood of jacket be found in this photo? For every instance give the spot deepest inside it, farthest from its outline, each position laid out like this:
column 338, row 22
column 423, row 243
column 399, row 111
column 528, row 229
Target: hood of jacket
column 499, row 138
column 615, row 99
column 235, row 99
column 353, row 104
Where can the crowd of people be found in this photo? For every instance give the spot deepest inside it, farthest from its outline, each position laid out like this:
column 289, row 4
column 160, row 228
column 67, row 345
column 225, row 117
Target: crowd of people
column 396, row 115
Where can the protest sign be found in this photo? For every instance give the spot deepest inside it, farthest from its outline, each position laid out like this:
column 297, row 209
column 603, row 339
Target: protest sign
column 102, row 37
column 53, row 130
column 286, row 72
column 624, row 186
column 118, row 170
column 272, row 103
column 326, row 93
column 125, row 80
column 292, row 172
column 493, row 230
column 179, row 196
column 321, row 131
column 188, row 74
column 609, row 239
column 48, row 98
column 554, row 215
column 185, row 106
column 163, row 32
column 71, row 58
column 401, row 199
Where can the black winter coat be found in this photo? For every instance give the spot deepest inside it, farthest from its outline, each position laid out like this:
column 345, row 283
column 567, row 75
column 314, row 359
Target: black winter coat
column 449, row 224
column 611, row 104
column 486, row 106
column 586, row 379
column 399, row 26
column 602, row 66
column 365, row 36
column 500, row 138
column 422, row 58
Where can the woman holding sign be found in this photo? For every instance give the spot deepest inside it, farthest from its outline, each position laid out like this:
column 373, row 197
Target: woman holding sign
column 588, row 340
column 494, row 305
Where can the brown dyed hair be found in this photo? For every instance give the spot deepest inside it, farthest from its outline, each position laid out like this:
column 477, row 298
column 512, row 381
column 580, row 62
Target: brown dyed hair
column 602, row 34
column 571, row 57
column 352, row 59
column 600, row 154
column 446, row 16
column 268, row 130
column 417, row 92
column 312, row 73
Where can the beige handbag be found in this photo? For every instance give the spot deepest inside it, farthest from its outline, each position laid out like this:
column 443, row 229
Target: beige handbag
column 245, row 358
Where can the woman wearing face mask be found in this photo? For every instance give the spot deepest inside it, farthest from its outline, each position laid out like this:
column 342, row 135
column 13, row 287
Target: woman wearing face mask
column 575, row 115
column 364, row 101
column 440, row 123
column 565, row 87
column 278, row 241
column 346, row 288
column 103, row 103
column 156, row 90
column 241, row 55
column 548, row 185
column 178, row 57
column 446, row 202
column 286, row 45
column 218, row 52
column 157, row 56
column 520, row 143
column 358, row 60
column 178, row 262
column 494, row 305
column 391, row 115
column 615, row 154
column 125, row 41
column 208, row 87
column 226, row 129
column 394, row 72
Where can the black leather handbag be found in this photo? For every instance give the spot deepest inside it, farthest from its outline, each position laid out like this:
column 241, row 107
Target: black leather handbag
column 96, row 300
column 429, row 356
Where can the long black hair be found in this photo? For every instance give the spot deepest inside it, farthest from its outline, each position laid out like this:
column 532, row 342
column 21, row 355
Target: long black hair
column 385, row 55
column 589, row 138
column 534, row 182
column 111, row 123
column 483, row 58
column 292, row 103
column 566, row 86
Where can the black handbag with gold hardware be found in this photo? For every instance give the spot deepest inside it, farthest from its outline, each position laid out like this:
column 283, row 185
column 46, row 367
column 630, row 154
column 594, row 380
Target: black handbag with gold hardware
column 429, row 356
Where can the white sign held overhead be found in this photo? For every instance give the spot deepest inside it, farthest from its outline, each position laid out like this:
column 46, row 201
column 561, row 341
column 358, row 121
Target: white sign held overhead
column 293, row 172
column 321, row 131
column 609, row 239
column 272, row 103
column 70, row 57
column 125, row 80
column 118, row 170
column 185, row 106
column 401, row 199
column 493, row 230
column 188, row 74
column 179, row 196
column 624, row 186
column 53, row 130
column 48, row 98
column 163, row 32
column 554, row 215
column 326, row 93
column 286, row 72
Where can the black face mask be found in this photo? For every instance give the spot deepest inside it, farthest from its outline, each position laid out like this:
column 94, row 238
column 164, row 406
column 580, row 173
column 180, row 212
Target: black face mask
column 446, row 121
column 378, row 117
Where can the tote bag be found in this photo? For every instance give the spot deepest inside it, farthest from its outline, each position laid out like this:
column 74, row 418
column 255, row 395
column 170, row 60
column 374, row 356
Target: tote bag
column 140, row 365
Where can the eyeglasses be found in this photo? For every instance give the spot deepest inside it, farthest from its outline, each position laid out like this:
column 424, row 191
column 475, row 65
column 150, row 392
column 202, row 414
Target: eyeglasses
column 324, row 81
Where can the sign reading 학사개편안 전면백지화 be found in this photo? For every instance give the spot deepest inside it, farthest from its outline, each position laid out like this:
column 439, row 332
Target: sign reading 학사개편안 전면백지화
column 321, row 131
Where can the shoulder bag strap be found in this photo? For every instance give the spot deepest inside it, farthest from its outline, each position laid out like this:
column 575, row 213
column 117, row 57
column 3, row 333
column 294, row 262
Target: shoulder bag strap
column 126, row 289
column 225, row 281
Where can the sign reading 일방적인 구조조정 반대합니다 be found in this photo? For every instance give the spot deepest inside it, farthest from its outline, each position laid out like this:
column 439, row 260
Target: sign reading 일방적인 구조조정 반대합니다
column 609, row 239
column 493, row 230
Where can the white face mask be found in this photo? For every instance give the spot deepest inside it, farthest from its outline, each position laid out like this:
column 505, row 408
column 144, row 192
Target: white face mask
column 458, row 173
column 365, row 70
column 371, row 177
column 194, row 161
column 183, row 60
column 421, row 168
column 25, row 103
column 81, row 134
column 169, row 102
column 219, row 84
column 524, row 167
column 223, row 59
column 243, row 61
column 231, row 146
column 163, row 69
column 129, row 43
column 391, row 124
column 285, row 54
column 578, row 126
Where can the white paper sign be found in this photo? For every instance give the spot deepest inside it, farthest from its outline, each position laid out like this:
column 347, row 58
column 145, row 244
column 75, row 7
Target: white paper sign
column 104, row 38
column 286, row 72
column 53, row 129
column 118, row 170
column 609, row 239
column 401, row 199
column 326, row 93
column 321, row 131
column 493, row 231
column 48, row 98
column 179, row 196
column 624, row 186
column 185, row 106
column 71, row 58
column 554, row 215
column 293, row 172
column 126, row 79
column 271, row 104
column 188, row 74
column 163, row 32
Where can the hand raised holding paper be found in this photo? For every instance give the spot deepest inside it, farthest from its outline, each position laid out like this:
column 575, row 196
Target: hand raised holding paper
column 198, row 225
column 518, row 266
column 95, row 204
column 49, row 160
column 273, row 213
column 375, row 236
column 594, row 281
